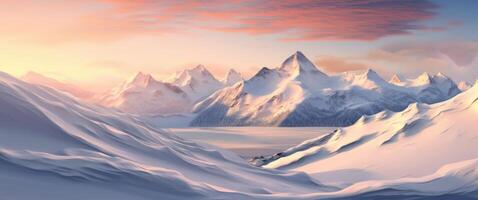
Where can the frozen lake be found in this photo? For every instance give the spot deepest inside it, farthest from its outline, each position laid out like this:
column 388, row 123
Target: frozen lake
column 252, row 141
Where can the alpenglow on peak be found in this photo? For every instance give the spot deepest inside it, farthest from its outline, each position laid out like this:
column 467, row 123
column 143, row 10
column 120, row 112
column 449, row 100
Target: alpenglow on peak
column 298, row 63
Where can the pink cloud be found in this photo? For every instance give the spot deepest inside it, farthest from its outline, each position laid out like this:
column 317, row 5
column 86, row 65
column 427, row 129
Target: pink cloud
column 294, row 19
column 298, row 19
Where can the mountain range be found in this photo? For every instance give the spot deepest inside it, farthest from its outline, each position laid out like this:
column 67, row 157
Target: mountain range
column 298, row 94
column 145, row 95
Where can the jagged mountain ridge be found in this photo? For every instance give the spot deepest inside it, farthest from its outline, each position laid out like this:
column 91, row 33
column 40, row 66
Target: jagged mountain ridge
column 298, row 94
column 232, row 77
column 198, row 82
column 295, row 94
column 145, row 95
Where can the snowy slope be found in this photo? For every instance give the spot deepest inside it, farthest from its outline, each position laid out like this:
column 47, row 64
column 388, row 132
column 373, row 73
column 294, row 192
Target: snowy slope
column 299, row 94
column 414, row 142
column 52, row 147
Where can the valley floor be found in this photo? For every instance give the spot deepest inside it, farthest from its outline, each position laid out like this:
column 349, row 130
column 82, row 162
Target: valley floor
column 252, row 141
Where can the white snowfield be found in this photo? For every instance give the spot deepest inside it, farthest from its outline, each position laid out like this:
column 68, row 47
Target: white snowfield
column 299, row 94
column 54, row 147
column 249, row 142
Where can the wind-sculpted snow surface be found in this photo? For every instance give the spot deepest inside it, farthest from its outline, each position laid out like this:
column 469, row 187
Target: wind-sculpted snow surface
column 53, row 147
column 453, row 181
column 299, row 94
column 47, row 137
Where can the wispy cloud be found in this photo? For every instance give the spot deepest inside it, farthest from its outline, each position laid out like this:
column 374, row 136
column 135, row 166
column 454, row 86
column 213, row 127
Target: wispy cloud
column 299, row 19
column 293, row 19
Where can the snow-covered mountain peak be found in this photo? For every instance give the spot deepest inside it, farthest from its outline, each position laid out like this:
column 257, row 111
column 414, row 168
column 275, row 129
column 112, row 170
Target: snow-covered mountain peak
column 141, row 79
column 366, row 79
column 395, row 80
column 200, row 67
column 424, row 79
column 232, row 74
column 262, row 73
column 297, row 64
column 372, row 75
column 232, row 77
column 440, row 77
column 439, row 74
column 198, row 82
column 429, row 85
column 196, row 74
column 200, row 70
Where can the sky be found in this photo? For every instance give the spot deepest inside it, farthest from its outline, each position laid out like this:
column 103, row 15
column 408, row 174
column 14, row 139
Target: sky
column 100, row 43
